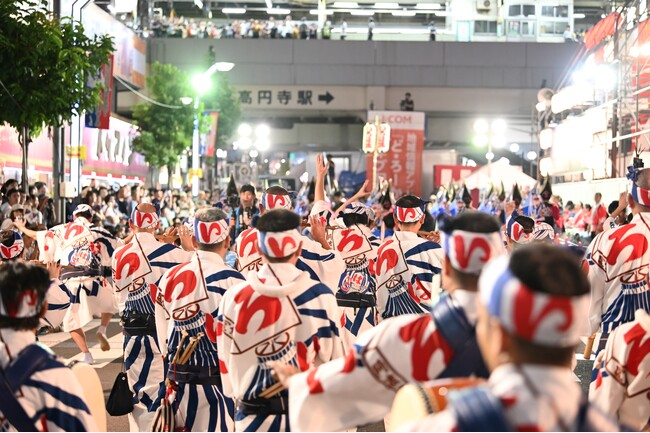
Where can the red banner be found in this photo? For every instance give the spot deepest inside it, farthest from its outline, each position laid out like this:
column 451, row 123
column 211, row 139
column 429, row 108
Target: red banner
column 443, row 175
column 402, row 164
column 100, row 117
column 211, row 135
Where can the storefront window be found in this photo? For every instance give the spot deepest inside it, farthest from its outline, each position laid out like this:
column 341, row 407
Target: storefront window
column 552, row 28
column 485, row 27
column 521, row 28
column 555, row 11
column 521, row 10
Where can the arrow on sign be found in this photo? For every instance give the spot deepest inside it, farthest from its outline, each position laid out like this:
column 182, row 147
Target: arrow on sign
column 327, row 97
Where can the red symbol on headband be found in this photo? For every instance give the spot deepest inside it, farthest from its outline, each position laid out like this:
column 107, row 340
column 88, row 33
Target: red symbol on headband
column 144, row 218
column 206, row 230
column 465, row 256
column 273, row 200
column 279, row 250
column 405, row 213
column 526, row 324
column 8, row 252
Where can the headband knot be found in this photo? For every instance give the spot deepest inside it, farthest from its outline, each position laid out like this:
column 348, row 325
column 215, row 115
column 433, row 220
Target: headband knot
column 279, row 245
column 210, row 232
column 539, row 318
column 516, row 231
column 356, row 207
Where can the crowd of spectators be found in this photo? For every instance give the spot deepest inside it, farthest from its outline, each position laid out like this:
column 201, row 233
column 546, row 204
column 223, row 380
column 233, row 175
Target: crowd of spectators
column 287, row 28
column 112, row 206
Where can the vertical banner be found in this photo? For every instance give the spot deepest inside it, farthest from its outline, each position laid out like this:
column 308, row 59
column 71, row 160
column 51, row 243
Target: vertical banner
column 208, row 141
column 402, row 164
column 100, row 116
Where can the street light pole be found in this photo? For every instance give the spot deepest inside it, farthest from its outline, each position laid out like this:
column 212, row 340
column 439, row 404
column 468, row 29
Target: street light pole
column 201, row 85
column 195, row 149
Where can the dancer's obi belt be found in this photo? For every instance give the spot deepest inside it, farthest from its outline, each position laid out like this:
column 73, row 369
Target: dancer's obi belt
column 356, row 300
column 194, row 374
column 277, row 405
column 85, row 272
column 137, row 324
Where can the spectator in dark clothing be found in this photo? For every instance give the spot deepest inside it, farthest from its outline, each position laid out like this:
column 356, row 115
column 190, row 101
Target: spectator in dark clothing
column 407, row 103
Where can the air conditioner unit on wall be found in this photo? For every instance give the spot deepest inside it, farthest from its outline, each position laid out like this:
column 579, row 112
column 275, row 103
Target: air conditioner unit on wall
column 484, row 5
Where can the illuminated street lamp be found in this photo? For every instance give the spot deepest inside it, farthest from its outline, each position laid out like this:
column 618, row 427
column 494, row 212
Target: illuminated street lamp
column 202, row 84
column 376, row 140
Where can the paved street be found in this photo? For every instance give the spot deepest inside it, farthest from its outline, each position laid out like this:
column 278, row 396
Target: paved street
column 108, row 364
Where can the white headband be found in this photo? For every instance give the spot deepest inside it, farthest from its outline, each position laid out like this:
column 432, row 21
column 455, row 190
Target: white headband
column 408, row 214
column 469, row 252
column 144, row 220
column 276, row 201
column 8, row 253
column 28, row 306
column 210, row 232
column 543, row 232
column 539, row 318
column 281, row 244
column 515, row 231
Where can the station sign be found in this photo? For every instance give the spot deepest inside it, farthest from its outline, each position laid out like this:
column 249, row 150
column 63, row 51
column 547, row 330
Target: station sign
column 301, row 97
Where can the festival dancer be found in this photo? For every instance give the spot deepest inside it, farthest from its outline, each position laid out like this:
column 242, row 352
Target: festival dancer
column 408, row 267
column 317, row 257
column 618, row 262
column 187, row 305
column 137, row 269
column 356, row 293
column 623, row 374
column 12, row 248
column 279, row 314
column 360, row 389
column 531, row 315
column 37, row 392
column 85, row 252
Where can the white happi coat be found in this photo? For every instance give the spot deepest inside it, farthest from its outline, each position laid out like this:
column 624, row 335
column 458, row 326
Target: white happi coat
column 618, row 263
column 279, row 314
column 79, row 244
column 188, row 299
column 51, row 397
column 322, row 265
column 360, row 388
column 622, row 379
column 358, row 247
column 558, row 402
column 408, row 275
column 137, row 269
column 58, row 301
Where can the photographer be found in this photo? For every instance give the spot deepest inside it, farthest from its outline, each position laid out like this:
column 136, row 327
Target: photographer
column 242, row 212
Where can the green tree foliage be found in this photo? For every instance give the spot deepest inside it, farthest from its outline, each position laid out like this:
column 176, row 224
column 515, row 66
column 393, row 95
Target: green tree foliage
column 164, row 132
column 45, row 64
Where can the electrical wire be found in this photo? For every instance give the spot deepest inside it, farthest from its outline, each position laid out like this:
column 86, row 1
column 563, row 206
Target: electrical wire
column 145, row 97
column 11, row 96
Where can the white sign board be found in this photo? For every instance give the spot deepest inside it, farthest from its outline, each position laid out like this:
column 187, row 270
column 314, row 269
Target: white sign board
column 301, row 97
